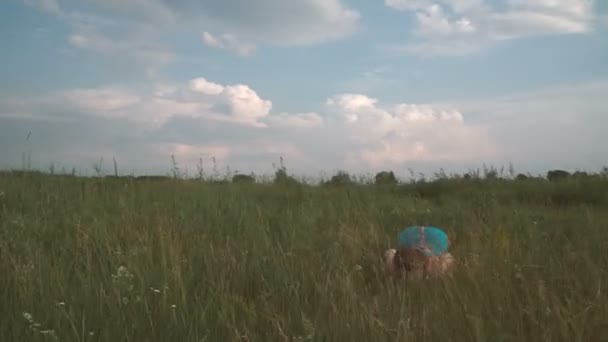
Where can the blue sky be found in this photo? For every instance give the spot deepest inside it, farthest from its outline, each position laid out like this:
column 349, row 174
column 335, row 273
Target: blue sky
column 328, row 84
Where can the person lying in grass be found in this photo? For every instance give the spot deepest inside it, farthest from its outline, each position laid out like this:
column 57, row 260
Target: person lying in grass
column 422, row 253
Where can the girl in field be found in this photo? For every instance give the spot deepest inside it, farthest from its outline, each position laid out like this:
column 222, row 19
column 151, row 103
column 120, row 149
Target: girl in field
column 422, row 252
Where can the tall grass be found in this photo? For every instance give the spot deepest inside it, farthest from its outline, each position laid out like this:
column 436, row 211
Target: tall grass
column 92, row 259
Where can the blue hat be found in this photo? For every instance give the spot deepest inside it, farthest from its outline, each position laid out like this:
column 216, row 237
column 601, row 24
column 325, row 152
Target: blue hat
column 428, row 239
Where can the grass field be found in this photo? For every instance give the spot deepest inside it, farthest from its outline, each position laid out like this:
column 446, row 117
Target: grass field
column 91, row 259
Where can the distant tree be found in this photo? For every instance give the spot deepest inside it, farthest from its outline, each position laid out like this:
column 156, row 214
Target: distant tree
column 281, row 176
column 242, row 178
column 521, row 177
column 555, row 175
column 580, row 175
column 340, row 178
column 385, row 178
column 152, row 178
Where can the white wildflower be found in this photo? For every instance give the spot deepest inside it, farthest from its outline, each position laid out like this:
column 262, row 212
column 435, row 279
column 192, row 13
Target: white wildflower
column 48, row 332
column 122, row 272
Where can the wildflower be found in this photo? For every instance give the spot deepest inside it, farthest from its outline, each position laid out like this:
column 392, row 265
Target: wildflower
column 122, row 272
column 27, row 316
column 123, row 278
column 174, row 306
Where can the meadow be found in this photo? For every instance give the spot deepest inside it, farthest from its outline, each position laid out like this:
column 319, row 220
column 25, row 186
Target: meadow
column 168, row 259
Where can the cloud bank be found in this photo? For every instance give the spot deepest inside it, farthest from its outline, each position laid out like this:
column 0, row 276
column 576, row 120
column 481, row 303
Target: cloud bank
column 237, row 125
column 142, row 127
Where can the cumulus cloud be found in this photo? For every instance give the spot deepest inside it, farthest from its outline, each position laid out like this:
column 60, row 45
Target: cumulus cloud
column 243, row 104
column 203, row 86
column 202, row 117
column 458, row 27
column 237, row 102
column 155, row 106
column 143, row 127
column 408, row 132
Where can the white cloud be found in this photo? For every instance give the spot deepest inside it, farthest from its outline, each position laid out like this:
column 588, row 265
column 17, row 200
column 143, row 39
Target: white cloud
column 555, row 127
column 243, row 104
column 408, row 132
column 407, row 5
column 305, row 120
column 262, row 21
column 355, row 131
column 131, row 49
column 112, row 37
column 203, row 86
column 459, row 27
column 100, row 101
column 517, row 24
column 238, row 103
column 199, row 98
column 233, row 121
column 274, row 21
column 352, row 102
column 131, row 29
column 433, row 21
column 228, row 42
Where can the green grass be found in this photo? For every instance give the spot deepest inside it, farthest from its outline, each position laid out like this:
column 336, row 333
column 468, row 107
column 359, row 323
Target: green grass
column 263, row 262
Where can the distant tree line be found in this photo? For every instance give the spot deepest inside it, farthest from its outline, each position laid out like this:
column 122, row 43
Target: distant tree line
column 343, row 178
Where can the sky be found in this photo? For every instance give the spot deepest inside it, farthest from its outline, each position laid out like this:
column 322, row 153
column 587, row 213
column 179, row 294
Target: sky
column 328, row 85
